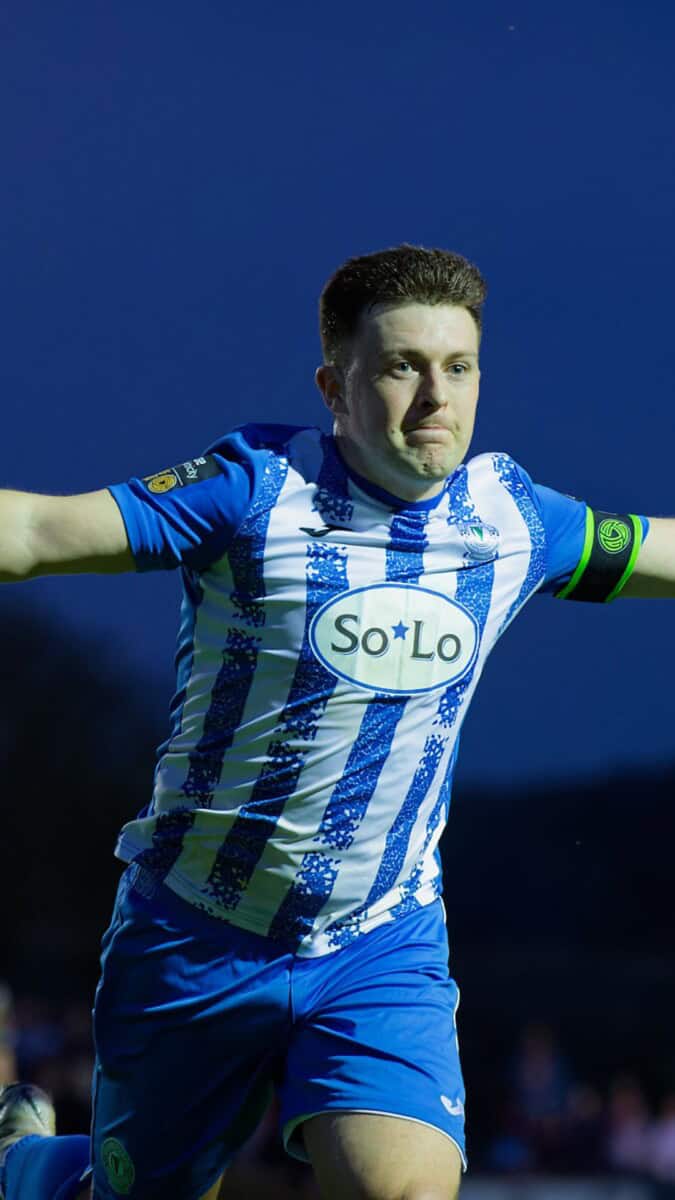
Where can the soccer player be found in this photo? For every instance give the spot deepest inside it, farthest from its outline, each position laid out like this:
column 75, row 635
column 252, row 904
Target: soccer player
column 280, row 919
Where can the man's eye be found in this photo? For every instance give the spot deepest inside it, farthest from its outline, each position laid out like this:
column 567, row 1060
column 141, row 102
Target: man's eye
column 459, row 369
column 403, row 365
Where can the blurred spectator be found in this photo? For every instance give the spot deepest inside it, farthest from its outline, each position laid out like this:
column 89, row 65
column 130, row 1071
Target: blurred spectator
column 627, row 1145
column 540, row 1080
column 67, row 1073
column 39, row 1034
column 662, row 1142
column 585, row 1131
column 540, row 1074
column 8, row 1066
column 509, row 1152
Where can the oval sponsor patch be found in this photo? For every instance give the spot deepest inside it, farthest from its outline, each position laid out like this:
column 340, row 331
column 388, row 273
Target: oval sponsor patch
column 395, row 638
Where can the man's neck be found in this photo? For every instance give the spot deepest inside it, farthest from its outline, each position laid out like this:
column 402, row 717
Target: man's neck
column 409, row 489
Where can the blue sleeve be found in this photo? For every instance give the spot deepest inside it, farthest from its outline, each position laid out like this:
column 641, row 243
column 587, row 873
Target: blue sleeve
column 564, row 521
column 187, row 515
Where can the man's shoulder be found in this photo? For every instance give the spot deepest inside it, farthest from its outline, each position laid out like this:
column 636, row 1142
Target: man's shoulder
column 267, row 437
column 276, row 458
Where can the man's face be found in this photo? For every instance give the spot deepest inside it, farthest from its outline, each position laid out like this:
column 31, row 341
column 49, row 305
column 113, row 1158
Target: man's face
column 405, row 405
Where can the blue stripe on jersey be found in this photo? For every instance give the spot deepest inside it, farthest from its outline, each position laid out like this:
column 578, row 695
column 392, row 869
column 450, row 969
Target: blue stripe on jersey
column 354, row 790
column 305, row 898
column 332, row 500
column 441, row 808
column 193, row 594
column 240, row 654
column 167, row 840
column 407, row 543
column 398, row 836
column 311, row 689
column 404, row 562
column 474, row 590
column 507, row 473
column 350, row 799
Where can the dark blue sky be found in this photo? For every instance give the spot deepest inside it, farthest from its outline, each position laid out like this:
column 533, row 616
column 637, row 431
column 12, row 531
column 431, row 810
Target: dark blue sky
column 178, row 182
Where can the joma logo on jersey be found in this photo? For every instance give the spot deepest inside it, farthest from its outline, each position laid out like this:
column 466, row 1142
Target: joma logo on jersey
column 395, row 638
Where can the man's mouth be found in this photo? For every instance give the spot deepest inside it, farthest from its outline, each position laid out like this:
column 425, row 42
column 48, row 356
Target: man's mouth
column 427, row 431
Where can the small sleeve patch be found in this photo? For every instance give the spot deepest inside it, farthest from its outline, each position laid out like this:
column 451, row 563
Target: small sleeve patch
column 192, row 471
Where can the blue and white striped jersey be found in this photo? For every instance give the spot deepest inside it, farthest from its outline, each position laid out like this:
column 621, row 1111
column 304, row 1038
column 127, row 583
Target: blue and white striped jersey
column 331, row 639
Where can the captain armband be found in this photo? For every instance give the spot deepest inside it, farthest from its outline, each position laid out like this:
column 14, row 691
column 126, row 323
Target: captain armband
column 611, row 546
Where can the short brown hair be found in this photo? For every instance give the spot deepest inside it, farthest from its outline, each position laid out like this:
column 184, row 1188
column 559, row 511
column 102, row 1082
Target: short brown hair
column 403, row 274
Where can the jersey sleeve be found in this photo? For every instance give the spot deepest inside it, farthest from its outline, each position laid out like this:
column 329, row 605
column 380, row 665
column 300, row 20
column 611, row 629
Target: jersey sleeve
column 187, row 515
column 564, row 521
column 570, row 526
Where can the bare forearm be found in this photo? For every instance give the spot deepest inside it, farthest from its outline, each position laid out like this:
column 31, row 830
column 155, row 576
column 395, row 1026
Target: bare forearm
column 16, row 558
column 654, row 574
column 56, row 535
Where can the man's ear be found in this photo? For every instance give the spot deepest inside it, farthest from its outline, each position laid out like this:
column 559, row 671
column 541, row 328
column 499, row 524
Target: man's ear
column 330, row 382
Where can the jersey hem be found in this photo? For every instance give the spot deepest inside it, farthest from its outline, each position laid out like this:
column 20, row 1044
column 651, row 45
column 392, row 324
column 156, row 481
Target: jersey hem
column 428, row 894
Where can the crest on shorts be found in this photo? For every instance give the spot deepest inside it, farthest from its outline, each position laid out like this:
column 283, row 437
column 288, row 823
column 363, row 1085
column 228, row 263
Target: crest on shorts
column 118, row 1166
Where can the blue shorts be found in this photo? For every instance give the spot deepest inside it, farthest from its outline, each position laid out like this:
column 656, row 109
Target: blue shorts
column 196, row 1021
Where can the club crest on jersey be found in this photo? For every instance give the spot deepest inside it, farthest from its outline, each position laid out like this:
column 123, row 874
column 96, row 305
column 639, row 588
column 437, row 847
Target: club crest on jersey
column 480, row 541
column 395, row 638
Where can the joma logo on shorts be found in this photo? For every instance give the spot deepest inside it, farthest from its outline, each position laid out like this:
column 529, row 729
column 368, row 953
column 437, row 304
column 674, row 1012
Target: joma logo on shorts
column 395, row 638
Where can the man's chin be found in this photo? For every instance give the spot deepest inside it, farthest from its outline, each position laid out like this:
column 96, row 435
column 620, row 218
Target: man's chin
column 434, row 468
column 419, row 481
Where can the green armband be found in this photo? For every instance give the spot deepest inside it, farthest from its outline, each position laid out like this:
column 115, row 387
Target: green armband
column 611, row 546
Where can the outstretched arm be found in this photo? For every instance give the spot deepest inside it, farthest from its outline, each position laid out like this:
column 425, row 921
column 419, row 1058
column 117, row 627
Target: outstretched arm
column 56, row 535
column 654, row 571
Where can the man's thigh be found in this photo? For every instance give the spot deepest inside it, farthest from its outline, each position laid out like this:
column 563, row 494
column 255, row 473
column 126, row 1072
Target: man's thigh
column 365, row 1156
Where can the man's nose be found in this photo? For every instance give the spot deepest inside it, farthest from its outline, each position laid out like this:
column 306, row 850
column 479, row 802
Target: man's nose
column 431, row 391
